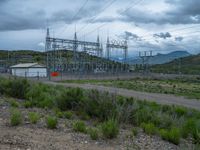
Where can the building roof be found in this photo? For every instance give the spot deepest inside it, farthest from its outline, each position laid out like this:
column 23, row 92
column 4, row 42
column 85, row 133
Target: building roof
column 28, row 65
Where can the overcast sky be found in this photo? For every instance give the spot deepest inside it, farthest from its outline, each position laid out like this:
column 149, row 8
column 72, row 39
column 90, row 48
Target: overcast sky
column 159, row 25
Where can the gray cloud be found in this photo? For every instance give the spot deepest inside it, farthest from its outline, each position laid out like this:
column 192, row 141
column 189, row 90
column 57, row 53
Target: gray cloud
column 17, row 18
column 181, row 12
column 179, row 39
column 130, row 36
column 163, row 35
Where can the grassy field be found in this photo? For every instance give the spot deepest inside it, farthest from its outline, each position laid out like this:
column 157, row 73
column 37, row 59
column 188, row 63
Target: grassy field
column 189, row 88
column 107, row 111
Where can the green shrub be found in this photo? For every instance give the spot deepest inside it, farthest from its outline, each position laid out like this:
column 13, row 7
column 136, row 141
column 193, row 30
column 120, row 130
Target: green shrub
column 83, row 115
column 149, row 128
column 33, row 117
column 79, row 126
column 68, row 114
column 17, row 88
column 172, row 135
column 196, row 132
column 134, row 131
column 142, row 115
column 100, row 105
column 51, row 122
column 28, row 104
column 192, row 126
column 41, row 95
column 94, row 135
column 180, row 111
column 70, row 99
column 110, row 129
column 16, row 117
column 60, row 114
column 13, row 103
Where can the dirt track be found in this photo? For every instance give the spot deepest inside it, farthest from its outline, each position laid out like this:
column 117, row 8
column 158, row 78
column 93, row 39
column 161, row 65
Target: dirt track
column 154, row 97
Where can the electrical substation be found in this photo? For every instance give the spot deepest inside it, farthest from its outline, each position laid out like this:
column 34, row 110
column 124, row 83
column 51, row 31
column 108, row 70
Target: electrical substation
column 86, row 57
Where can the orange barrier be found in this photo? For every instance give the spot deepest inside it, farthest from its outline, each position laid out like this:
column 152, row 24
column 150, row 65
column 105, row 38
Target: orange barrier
column 54, row 74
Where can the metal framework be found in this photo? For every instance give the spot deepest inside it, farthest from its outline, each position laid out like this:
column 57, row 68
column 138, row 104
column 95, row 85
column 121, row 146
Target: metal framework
column 145, row 56
column 85, row 57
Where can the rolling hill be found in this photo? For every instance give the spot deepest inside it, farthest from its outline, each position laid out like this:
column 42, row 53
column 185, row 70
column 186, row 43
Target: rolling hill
column 186, row 65
column 162, row 58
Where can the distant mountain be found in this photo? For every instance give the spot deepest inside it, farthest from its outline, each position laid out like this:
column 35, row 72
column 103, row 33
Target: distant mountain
column 161, row 58
column 186, row 65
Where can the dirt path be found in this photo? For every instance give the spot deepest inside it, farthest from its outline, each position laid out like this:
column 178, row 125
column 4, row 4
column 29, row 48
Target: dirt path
column 154, row 97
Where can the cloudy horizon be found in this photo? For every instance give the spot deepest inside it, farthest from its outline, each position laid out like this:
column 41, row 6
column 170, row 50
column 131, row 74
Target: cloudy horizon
column 159, row 25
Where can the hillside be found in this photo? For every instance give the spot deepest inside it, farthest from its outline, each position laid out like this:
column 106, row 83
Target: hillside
column 162, row 58
column 8, row 58
column 186, row 65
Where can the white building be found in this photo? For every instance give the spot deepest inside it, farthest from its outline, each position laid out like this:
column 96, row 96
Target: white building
column 29, row 70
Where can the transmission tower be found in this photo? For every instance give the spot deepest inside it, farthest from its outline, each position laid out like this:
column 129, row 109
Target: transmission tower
column 145, row 56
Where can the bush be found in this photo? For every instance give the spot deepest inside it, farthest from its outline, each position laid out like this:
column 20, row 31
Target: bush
column 51, row 122
column 70, row 99
column 79, row 126
column 180, row 111
column 33, row 117
column 13, row 103
column 172, row 135
column 17, row 88
column 110, row 129
column 134, row 131
column 68, row 114
column 16, row 117
column 192, row 126
column 142, row 115
column 41, row 95
column 59, row 114
column 94, row 135
column 149, row 128
column 100, row 105
column 27, row 104
column 83, row 115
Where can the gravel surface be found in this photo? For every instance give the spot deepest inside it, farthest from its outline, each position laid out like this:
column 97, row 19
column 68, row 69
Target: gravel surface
column 38, row 137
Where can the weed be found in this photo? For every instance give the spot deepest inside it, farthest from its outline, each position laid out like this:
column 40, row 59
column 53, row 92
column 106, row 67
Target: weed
column 79, row 126
column 94, row 135
column 134, row 131
column 51, row 122
column 60, row 114
column 16, row 117
column 110, row 129
column 27, row 104
column 68, row 114
column 33, row 117
column 13, row 103
column 149, row 128
column 173, row 135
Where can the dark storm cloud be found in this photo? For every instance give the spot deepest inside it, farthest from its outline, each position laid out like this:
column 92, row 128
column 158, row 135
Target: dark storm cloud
column 179, row 39
column 34, row 20
column 163, row 35
column 181, row 12
column 22, row 18
column 129, row 36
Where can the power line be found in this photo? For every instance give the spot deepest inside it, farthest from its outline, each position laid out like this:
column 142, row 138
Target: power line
column 134, row 2
column 76, row 15
column 94, row 17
